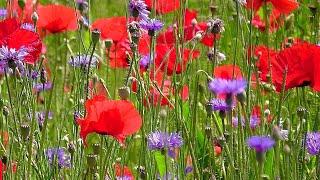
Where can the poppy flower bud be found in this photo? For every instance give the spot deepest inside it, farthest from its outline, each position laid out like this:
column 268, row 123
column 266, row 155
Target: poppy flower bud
column 208, row 131
column 96, row 148
column 92, row 161
column 222, row 114
column 313, row 9
column 276, row 133
column 301, row 112
column 22, row 3
column 124, row 92
column 25, row 131
column 142, row 172
column 43, row 78
column 71, row 148
column 241, row 97
column 95, row 36
column 287, row 149
column 163, row 114
column 34, row 17
column 108, row 43
column 213, row 9
column 5, row 111
column 4, row 159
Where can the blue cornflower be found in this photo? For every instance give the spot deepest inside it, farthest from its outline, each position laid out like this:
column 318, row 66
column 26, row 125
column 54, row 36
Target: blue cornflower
column 313, row 143
column 175, row 140
column 12, row 58
column 3, row 13
column 83, row 61
column 144, row 62
column 226, row 86
column 28, row 26
column 151, row 25
column 38, row 87
column 157, row 140
column 138, row 8
column 41, row 117
column 219, row 105
column 260, row 144
column 254, row 121
column 60, row 156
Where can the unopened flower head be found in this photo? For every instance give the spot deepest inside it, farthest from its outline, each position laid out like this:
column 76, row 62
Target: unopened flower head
column 215, row 26
column 138, row 8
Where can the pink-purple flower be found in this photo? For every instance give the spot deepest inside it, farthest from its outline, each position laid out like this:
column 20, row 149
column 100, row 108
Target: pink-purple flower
column 313, row 143
column 260, row 144
column 226, row 86
column 138, row 8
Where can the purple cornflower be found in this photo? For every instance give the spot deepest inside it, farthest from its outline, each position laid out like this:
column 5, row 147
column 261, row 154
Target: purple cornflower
column 38, row 87
column 188, row 170
column 313, row 143
column 144, row 62
column 235, row 122
column 12, row 58
column 3, row 13
column 83, row 61
column 151, row 25
column 58, row 155
column 41, row 117
column 157, row 140
column 254, row 121
column 33, row 74
column 260, row 144
column 124, row 178
column 28, row 26
column 82, row 5
column 175, row 140
column 219, row 105
column 138, row 8
column 225, row 86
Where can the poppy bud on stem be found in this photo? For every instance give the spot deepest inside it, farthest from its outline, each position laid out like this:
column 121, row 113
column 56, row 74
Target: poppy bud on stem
column 22, row 3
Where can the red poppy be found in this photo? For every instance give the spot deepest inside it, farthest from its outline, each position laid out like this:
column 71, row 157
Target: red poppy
column 166, row 59
column 189, row 16
column 298, row 63
column 13, row 37
column 228, row 71
column 114, row 28
column 24, row 14
column 217, row 149
column 1, row 170
column 118, row 54
column 279, row 7
column 122, row 171
column 57, row 18
column 284, row 6
column 97, row 88
column 117, row 118
column 164, row 6
column 275, row 21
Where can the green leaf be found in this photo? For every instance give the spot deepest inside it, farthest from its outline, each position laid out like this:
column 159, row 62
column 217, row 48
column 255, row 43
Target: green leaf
column 269, row 164
column 161, row 163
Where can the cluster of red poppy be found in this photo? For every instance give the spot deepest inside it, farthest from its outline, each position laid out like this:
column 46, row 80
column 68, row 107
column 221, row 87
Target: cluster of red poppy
column 297, row 65
column 279, row 8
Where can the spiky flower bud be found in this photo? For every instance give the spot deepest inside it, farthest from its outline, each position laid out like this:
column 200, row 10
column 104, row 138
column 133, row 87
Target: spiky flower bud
column 96, row 148
column 25, row 131
column 95, row 36
column 124, row 92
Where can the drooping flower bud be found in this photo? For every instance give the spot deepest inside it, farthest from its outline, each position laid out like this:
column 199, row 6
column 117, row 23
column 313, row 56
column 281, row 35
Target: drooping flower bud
column 95, row 36
column 124, row 92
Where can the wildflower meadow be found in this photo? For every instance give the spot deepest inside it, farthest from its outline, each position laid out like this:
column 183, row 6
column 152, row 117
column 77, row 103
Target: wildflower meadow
column 160, row 89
